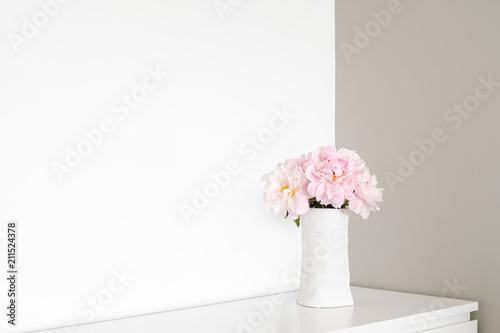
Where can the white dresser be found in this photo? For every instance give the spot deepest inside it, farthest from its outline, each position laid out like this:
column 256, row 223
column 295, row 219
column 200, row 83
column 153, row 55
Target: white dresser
column 375, row 311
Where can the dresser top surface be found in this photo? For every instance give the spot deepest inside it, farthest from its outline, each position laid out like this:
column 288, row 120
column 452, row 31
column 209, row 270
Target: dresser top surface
column 374, row 310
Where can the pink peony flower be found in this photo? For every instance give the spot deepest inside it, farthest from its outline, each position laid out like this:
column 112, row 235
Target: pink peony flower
column 300, row 161
column 332, row 175
column 366, row 195
column 285, row 190
column 328, row 176
column 339, row 176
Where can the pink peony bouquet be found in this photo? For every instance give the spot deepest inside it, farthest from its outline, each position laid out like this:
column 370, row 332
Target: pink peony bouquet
column 325, row 178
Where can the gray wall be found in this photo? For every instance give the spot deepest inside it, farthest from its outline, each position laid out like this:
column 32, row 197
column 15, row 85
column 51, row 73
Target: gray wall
column 439, row 223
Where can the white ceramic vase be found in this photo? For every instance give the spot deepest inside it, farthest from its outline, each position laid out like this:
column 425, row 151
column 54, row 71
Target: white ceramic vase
column 325, row 278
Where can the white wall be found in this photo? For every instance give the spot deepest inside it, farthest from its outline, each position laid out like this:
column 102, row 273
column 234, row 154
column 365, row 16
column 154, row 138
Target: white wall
column 441, row 225
column 118, row 209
